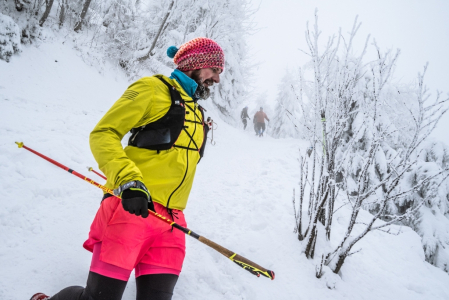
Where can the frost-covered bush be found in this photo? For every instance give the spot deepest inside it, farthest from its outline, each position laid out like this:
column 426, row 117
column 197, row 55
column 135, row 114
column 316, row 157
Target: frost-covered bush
column 424, row 185
column 31, row 32
column 368, row 138
column 9, row 37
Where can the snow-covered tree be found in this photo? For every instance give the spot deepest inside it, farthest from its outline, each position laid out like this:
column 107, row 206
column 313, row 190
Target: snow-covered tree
column 135, row 35
column 287, row 110
column 9, row 37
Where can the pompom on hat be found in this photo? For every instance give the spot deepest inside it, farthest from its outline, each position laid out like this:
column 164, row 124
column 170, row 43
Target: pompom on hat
column 199, row 53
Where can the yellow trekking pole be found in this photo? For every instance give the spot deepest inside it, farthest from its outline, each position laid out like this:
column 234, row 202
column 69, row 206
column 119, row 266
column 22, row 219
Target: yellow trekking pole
column 246, row 264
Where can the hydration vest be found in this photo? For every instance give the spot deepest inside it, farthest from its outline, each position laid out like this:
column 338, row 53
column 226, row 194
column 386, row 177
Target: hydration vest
column 163, row 133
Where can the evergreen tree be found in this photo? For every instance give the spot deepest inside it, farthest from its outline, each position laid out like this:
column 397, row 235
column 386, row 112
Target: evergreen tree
column 287, row 113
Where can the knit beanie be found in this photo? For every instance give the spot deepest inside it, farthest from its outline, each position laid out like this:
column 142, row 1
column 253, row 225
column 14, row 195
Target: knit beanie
column 199, row 53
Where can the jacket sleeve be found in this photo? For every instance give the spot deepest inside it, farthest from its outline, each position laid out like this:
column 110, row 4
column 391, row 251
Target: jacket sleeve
column 105, row 139
column 266, row 117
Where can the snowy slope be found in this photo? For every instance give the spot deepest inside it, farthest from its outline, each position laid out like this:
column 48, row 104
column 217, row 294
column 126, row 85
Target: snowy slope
column 241, row 199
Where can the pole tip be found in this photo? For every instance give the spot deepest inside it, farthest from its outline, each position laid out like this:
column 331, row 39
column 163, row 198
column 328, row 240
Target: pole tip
column 90, row 169
column 20, row 144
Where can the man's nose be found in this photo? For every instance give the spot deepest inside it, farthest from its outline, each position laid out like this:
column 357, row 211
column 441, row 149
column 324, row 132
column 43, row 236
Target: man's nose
column 216, row 78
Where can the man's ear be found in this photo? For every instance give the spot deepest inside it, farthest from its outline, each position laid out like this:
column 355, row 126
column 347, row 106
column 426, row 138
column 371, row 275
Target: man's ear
column 188, row 73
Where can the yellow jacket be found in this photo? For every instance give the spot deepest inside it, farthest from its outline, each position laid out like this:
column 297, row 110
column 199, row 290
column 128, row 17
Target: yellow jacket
column 169, row 174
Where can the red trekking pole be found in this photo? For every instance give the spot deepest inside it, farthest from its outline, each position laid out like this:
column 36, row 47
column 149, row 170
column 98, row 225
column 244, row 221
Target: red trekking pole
column 246, row 264
column 21, row 145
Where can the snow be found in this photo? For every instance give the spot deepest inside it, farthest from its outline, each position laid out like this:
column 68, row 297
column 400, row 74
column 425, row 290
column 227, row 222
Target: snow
column 51, row 99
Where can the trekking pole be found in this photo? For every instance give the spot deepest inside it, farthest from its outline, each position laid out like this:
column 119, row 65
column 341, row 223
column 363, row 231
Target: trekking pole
column 92, row 170
column 246, row 264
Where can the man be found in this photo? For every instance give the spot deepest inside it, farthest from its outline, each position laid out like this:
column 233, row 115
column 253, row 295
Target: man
column 244, row 116
column 155, row 171
column 259, row 122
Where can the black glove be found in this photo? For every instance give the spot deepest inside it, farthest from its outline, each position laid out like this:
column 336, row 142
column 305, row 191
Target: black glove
column 136, row 198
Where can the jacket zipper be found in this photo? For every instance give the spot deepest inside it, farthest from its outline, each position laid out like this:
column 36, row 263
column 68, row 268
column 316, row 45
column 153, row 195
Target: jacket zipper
column 187, row 159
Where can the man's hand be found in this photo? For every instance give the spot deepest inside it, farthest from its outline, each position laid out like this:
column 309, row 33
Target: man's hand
column 136, row 198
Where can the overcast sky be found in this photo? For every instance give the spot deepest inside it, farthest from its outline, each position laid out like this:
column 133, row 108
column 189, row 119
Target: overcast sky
column 419, row 28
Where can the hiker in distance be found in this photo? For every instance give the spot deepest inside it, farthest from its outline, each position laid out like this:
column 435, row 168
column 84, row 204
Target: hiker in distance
column 155, row 171
column 244, row 116
column 259, row 122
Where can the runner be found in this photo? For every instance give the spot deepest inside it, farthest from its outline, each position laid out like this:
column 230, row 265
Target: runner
column 244, row 116
column 155, row 171
column 259, row 122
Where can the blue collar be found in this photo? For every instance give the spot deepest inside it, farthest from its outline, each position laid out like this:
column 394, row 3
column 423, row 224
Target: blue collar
column 188, row 84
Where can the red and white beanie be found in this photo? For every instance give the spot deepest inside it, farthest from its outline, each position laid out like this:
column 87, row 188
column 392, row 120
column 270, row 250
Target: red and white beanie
column 199, row 53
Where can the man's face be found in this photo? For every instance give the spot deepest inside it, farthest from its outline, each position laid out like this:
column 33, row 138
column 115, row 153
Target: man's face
column 205, row 78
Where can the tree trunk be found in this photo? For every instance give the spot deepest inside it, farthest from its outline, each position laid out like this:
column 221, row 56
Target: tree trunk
column 161, row 29
column 19, row 5
column 46, row 13
column 82, row 16
column 62, row 13
column 330, row 209
column 301, row 199
column 311, row 242
column 37, row 6
column 341, row 261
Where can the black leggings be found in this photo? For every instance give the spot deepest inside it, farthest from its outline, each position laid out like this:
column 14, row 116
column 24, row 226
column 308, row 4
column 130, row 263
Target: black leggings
column 99, row 287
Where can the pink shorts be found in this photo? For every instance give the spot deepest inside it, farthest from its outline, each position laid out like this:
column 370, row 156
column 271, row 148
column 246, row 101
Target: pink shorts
column 108, row 270
column 121, row 242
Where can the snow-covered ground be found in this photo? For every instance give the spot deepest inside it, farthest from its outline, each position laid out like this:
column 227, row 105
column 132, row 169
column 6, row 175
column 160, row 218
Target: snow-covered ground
column 51, row 99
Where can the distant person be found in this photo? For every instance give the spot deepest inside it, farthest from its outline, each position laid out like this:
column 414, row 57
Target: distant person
column 259, row 122
column 244, row 116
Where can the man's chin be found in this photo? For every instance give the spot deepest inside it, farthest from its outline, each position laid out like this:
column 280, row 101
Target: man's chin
column 203, row 87
column 202, row 92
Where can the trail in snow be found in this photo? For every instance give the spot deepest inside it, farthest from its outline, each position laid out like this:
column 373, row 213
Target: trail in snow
column 241, row 199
